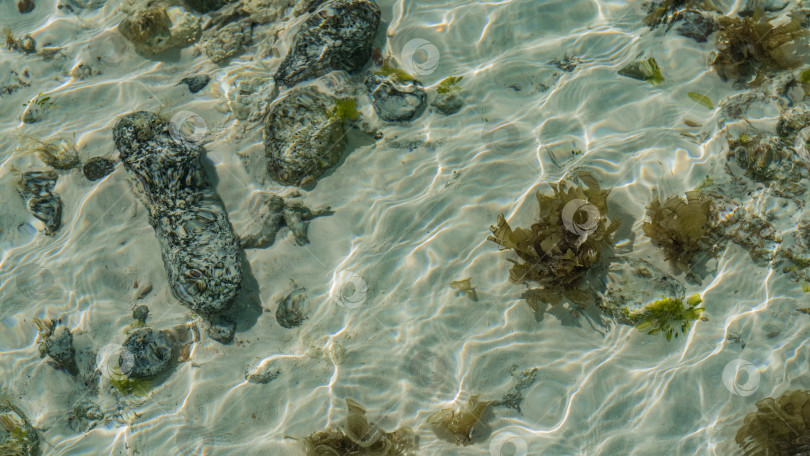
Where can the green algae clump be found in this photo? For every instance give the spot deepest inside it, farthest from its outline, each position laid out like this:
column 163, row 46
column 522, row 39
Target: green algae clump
column 644, row 70
column 752, row 46
column 779, row 427
column 678, row 226
column 667, row 315
column 17, row 436
column 358, row 437
column 449, row 84
column 388, row 69
column 558, row 249
column 462, row 426
column 345, row 109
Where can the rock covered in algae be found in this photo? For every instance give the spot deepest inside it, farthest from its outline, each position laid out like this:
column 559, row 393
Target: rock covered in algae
column 358, row 437
column 290, row 312
column 779, row 427
column 154, row 29
column 147, row 353
column 56, row 341
column 17, row 436
column 302, row 136
column 633, row 284
column 269, row 213
column 559, row 248
column 679, row 225
column 463, row 427
column 97, row 168
column 36, row 188
column 205, row 6
column 752, row 46
column 337, row 36
column 395, row 100
column 762, row 157
column 198, row 246
column 222, row 44
column 221, row 329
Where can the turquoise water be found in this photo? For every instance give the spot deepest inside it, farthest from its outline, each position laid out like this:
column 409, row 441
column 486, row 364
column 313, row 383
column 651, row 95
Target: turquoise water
column 411, row 213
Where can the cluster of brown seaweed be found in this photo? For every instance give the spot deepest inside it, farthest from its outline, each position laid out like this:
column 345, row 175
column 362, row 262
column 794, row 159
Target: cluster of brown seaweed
column 679, row 226
column 779, row 427
column 560, row 247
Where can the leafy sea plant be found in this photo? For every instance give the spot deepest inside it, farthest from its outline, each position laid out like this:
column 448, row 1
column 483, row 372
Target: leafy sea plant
column 702, row 99
column 449, row 84
column 779, row 427
column 557, row 250
column 462, row 426
column 750, row 46
column 358, row 437
column 63, row 154
column 345, row 108
column 644, row 70
column 668, row 314
column 464, row 286
column 679, row 225
column 388, row 69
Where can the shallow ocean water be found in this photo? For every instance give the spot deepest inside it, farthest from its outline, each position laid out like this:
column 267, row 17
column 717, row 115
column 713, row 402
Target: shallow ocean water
column 411, row 213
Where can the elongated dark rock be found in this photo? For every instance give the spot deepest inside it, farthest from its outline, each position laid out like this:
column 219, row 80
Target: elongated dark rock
column 37, row 190
column 338, row 36
column 198, row 246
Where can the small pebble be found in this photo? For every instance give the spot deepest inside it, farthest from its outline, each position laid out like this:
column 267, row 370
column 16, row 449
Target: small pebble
column 141, row 292
column 25, row 6
column 147, row 353
column 196, row 83
column 98, row 167
column 27, row 45
column 140, row 313
column 221, row 329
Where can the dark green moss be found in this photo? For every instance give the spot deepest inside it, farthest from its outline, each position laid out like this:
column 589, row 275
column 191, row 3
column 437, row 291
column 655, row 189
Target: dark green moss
column 679, row 225
column 449, row 84
column 345, row 108
column 388, row 69
column 668, row 315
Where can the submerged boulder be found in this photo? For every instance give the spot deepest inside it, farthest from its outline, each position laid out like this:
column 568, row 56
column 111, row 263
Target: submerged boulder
column 396, row 100
column 337, row 36
column 198, row 246
column 156, row 29
column 147, row 353
column 36, row 188
column 303, row 136
column 56, row 341
column 17, row 436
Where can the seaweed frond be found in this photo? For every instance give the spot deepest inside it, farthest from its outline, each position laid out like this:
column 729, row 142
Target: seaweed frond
column 449, row 84
column 679, row 225
column 388, row 69
column 345, row 109
column 780, row 426
column 668, row 315
column 751, row 46
column 461, row 426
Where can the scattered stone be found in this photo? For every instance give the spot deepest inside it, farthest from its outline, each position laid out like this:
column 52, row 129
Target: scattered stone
column 448, row 103
column 199, row 249
column 82, row 71
column 196, row 83
column 632, row 284
column 696, row 25
column 222, row 44
column 290, row 313
column 147, row 353
column 56, row 341
column 567, row 64
column 143, row 291
column 253, row 98
column 140, row 313
column 33, row 113
column 17, row 436
column 395, row 100
column 205, row 6
column 156, row 29
column 85, row 416
column 261, row 374
column 36, row 188
column 12, row 80
column 221, row 329
column 337, row 36
column 27, row 45
column 25, row 6
column 97, row 168
column 302, row 136
column 270, row 213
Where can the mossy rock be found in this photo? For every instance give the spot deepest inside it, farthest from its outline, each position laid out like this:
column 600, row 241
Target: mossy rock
column 17, row 436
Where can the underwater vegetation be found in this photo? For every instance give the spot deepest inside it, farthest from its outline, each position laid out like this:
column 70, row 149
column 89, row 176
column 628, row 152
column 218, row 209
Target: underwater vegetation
column 759, row 156
column 667, row 315
column 464, row 286
column 779, row 427
column 17, row 436
column 62, row 155
column 661, row 12
column 679, row 225
column 389, row 70
column 345, row 109
column 751, row 46
column 449, row 84
column 644, row 70
column 358, row 437
column 463, row 426
column 557, row 250
column 56, row 341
